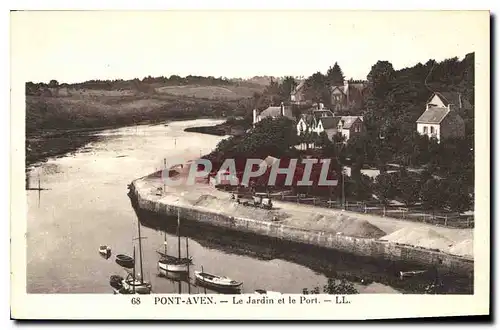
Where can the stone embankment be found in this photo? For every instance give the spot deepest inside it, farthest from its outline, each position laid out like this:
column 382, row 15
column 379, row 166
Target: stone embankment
column 343, row 231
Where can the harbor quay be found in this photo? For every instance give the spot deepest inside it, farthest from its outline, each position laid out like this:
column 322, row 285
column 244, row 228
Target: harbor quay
column 348, row 232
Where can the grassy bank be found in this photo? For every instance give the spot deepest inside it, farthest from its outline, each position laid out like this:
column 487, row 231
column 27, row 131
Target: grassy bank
column 56, row 125
column 230, row 127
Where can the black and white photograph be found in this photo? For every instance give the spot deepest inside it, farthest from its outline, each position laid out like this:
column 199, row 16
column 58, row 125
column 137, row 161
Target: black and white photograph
column 279, row 159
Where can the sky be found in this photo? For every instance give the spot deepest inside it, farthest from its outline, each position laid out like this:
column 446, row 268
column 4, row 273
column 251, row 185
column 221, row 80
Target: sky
column 76, row 46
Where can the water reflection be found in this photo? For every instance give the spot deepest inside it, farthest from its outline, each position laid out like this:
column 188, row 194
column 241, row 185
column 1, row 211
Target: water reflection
column 332, row 264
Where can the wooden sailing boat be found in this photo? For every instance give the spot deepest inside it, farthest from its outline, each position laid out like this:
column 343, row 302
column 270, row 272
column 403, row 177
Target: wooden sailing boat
column 170, row 263
column 132, row 283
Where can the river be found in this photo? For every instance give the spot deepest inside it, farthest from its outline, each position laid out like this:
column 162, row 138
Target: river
column 86, row 205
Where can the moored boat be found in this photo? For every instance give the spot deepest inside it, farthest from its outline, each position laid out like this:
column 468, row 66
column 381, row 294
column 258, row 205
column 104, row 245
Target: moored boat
column 168, row 263
column 411, row 273
column 137, row 285
column 116, row 281
column 104, row 250
column 262, row 291
column 217, row 281
column 125, row 261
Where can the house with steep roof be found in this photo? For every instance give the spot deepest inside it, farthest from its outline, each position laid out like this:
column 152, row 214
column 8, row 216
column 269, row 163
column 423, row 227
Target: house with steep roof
column 350, row 126
column 273, row 112
column 325, row 121
column 308, row 122
column 441, row 119
column 348, row 95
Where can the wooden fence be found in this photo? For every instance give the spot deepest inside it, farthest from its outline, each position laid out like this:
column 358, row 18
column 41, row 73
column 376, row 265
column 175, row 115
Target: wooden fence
column 397, row 212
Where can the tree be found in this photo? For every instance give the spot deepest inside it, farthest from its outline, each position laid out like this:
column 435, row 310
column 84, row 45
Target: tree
column 409, row 187
column 385, row 188
column 458, row 199
column 53, row 83
column 334, row 286
column 360, row 187
column 271, row 136
column 335, row 76
column 287, row 86
column 316, row 89
column 433, row 195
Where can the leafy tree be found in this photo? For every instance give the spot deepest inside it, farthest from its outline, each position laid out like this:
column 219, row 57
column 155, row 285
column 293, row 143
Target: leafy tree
column 409, row 187
column 334, row 286
column 335, row 76
column 360, row 187
column 433, row 195
column 458, row 198
column 316, row 88
column 287, row 86
column 53, row 83
column 385, row 187
column 271, row 136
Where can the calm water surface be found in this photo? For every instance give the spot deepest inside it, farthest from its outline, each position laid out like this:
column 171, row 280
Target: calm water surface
column 86, row 205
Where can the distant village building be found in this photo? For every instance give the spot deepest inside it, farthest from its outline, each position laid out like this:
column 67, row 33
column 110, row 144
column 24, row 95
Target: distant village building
column 319, row 120
column 347, row 96
column 297, row 95
column 273, row 112
column 342, row 97
column 440, row 119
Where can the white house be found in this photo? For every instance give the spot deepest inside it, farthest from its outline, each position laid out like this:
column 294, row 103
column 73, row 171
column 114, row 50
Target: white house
column 440, row 119
column 323, row 120
column 308, row 122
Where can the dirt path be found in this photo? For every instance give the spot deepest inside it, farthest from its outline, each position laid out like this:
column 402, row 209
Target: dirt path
column 451, row 240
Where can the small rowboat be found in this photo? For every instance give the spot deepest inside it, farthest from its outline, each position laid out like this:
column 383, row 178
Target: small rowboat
column 411, row 273
column 261, row 291
column 116, row 281
column 216, row 281
column 104, row 249
column 125, row 261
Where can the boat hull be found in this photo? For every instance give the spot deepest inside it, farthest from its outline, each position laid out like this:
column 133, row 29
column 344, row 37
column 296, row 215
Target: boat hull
column 174, row 268
column 210, row 283
column 137, row 286
column 125, row 261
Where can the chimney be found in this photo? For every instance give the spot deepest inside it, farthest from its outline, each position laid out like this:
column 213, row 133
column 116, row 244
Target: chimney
column 254, row 116
column 282, row 109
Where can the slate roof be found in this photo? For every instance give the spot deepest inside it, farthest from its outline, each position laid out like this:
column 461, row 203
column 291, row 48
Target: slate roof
column 452, row 98
column 349, row 120
column 308, row 119
column 329, row 122
column 276, row 112
column 331, row 132
column 433, row 115
column 322, row 113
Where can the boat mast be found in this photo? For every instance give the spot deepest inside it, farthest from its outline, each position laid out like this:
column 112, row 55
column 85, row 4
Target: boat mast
column 140, row 249
column 133, row 274
column 187, row 257
column 179, row 233
column 165, row 242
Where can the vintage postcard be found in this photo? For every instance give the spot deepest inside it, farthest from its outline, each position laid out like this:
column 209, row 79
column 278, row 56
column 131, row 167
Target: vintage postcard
column 250, row 164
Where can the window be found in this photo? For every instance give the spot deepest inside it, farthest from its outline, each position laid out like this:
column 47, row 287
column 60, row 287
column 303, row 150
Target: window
column 425, row 129
column 432, row 129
